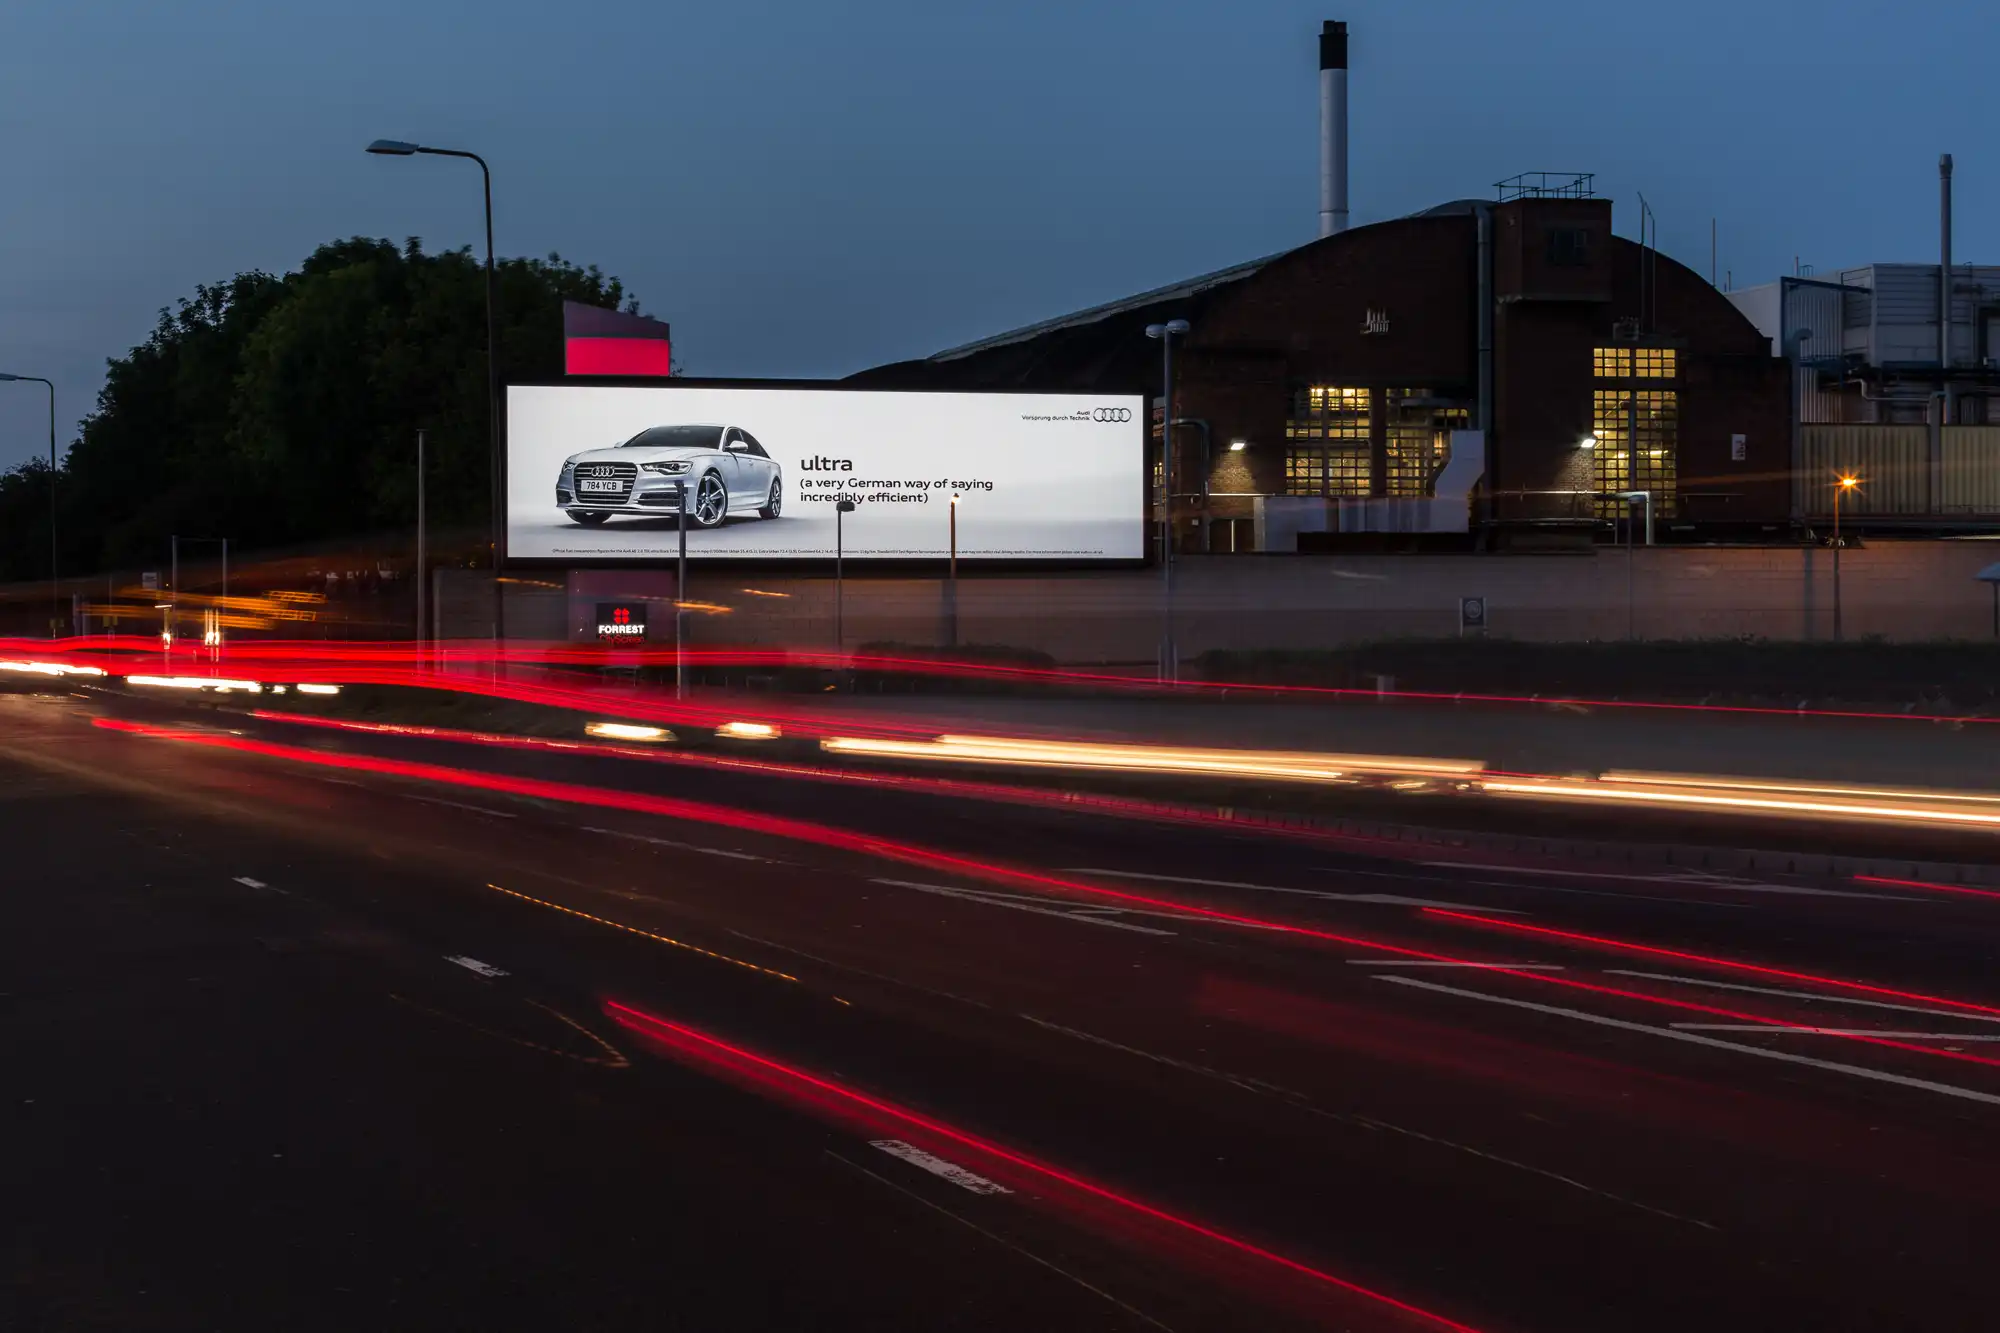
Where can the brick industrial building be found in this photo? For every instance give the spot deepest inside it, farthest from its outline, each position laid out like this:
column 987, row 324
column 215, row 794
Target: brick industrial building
column 1502, row 370
column 1318, row 380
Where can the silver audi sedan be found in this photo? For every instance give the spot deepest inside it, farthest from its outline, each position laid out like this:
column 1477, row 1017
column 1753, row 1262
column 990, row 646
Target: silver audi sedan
column 721, row 469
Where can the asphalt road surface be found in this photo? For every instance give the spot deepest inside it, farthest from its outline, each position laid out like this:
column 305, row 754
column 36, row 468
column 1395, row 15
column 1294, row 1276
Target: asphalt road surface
column 321, row 1031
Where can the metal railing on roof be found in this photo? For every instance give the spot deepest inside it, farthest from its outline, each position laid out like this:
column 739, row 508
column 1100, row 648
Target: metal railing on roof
column 1548, row 185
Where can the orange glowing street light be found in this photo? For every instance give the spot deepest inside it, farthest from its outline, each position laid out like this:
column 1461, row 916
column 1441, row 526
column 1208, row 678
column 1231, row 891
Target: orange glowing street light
column 1848, row 481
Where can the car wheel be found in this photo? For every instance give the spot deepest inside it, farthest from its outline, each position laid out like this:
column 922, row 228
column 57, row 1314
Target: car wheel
column 777, row 502
column 586, row 517
column 711, row 501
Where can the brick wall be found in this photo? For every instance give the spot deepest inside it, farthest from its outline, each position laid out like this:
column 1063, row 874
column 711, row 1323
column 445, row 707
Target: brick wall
column 1898, row 590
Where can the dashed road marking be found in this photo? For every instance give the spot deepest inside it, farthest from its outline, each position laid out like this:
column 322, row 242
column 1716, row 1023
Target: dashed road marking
column 1090, row 914
column 1443, row 962
column 474, row 965
column 462, row 805
column 1379, row 899
column 937, row 1166
column 1696, row 1039
column 1838, row 1032
column 684, row 846
column 1802, row 995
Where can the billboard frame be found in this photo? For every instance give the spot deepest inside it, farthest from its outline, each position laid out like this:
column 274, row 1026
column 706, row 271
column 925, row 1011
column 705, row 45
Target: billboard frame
column 902, row 567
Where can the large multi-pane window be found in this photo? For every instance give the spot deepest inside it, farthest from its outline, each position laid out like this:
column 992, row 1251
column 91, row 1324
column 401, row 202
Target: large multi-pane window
column 1637, row 430
column 1327, row 444
column 1417, row 438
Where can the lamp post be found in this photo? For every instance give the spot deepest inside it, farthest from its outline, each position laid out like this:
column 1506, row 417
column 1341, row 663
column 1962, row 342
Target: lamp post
column 1166, row 333
column 55, row 594
column 680, row 592
column 951, row 583
column 398, row 148
column 840, row 513
column 1847, row 483
column 423, row 623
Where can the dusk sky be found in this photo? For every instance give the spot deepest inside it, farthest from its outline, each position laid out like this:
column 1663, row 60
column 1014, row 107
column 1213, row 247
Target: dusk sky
column 810, row 189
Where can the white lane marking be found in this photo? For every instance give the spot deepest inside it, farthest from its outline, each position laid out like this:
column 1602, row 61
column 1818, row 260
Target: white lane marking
column 1804, row 995
column 683, row 846
column 1383, row 899
column 1440, row 962
column 474, row 965
column 1839, row 1032
column 1304, row 1103
column 1692, row 879
column 250, row 883
column 1039, row 906
column 1001, row 1241
column 1239, row 1080
column 461, row 805
column 937, row 1166
column 339, row 782
column 1695, row 1039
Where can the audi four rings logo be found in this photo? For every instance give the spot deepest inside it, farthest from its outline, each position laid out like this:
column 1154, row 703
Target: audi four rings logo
column 1112, row 414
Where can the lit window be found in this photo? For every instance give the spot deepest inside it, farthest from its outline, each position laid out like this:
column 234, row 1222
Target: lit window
column 1654, row 363
column 1638, row 441
column 1612, row 363
column 1327, row 445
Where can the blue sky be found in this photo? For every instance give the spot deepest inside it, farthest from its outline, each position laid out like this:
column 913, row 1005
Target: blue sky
column 808, row 189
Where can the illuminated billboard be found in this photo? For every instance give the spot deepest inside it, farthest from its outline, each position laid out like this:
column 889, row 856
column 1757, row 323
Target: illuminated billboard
column 600, row 472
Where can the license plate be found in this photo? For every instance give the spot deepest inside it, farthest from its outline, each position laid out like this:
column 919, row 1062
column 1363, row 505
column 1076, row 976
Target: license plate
column 612, row 485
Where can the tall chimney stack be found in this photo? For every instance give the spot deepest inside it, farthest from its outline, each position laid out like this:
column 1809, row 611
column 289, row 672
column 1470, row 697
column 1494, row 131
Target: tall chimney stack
column 1332, row 128
column 1945, row 261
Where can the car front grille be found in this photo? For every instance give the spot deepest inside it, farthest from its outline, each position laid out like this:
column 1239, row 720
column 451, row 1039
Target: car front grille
column 625, row 474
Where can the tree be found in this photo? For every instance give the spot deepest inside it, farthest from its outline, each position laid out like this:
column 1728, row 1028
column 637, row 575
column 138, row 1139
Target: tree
column 283, row 410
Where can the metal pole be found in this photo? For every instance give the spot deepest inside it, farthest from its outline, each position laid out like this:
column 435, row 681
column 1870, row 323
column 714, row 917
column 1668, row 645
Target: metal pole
column 1631, row 621
column 55, row 596
column 680, row 595
column 839, row 606
column 423, row 624
column 222, row 610
column 174, row 597
column 1169, row 659
column 1836, row 562
column 498, row 464
column 951, row 583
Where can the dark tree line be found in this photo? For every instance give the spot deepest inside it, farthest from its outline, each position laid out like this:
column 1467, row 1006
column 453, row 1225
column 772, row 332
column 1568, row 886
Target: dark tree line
column 281, row 410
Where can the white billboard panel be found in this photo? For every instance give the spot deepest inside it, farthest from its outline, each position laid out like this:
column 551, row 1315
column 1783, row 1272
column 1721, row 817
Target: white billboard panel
column 596, row 472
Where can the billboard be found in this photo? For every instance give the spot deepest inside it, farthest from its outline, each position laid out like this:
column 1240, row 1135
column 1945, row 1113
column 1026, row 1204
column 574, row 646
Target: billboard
column 599, row 472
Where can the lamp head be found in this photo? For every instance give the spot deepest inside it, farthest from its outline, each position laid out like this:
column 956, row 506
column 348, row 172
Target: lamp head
column 392, row 148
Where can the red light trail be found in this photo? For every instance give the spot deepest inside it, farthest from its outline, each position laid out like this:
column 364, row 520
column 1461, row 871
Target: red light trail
column 912, row 854
column 1708, row 960
column 684, row 1038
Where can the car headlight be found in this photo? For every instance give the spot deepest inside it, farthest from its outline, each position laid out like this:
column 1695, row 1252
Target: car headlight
column 664, row 469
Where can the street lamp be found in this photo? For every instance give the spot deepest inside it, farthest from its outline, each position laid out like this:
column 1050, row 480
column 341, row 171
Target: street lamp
column 398, row 148
column 1847, row 483
column 840, row 513
column 1166, row 333
column 951, row 583
column 55, row 594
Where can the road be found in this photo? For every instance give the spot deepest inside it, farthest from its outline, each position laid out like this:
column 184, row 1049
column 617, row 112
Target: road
column 331, row 1031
